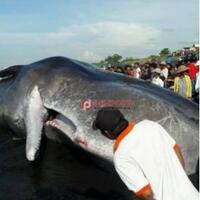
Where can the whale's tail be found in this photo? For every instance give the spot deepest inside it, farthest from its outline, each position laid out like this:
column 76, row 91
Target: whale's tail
column 10, row 72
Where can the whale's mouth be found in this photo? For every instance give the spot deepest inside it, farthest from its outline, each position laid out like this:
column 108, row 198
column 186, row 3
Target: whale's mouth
column 59, row 121
column 65, row 125
column 51, row 115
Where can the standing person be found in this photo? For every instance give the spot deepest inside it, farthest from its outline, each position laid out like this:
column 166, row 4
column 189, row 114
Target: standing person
column 137, row 70
column 156, row 78
column 148, row 72
column 164, row 72
column 197, row 82
column 169, row 59
column 128, row 70
column 119, row 70
column 146, row 157
column 169, row 82
column 196, row 98
column 182, row 82
column 192, row 71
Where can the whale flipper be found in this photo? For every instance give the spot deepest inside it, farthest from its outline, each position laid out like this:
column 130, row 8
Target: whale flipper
column 34, row 124
column 10, row 71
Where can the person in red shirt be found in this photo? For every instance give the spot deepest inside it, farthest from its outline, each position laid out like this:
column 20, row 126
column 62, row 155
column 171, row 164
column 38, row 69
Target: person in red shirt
column 128, row 71
column 192, row 71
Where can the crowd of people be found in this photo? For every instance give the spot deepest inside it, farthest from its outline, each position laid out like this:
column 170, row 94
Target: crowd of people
column 181, row 77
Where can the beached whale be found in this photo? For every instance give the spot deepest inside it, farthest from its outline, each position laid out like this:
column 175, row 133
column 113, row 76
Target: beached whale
column 65, row 94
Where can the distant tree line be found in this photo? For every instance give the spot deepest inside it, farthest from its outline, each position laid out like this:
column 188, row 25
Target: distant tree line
column 116, row 59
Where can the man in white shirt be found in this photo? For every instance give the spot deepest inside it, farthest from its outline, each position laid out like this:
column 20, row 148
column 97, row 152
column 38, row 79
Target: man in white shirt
column 146, row 157
column 136, row 70
column 197, row 82
column 156, row 78
column 196, row 96
column 197, row 78
column 164, row 70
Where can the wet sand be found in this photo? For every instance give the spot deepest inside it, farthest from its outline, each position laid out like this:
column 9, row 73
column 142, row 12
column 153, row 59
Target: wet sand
column 61, row 172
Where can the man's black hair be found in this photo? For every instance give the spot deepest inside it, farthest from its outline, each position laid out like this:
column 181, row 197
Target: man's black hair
column 126, row 66
column 123, row 123
column 111, row 120
column 137, row 63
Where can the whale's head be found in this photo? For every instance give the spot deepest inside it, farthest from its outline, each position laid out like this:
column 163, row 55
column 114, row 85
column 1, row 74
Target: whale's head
column 58, row 104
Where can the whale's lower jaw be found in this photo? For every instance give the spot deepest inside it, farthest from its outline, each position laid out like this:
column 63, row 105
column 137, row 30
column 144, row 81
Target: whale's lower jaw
column 58, row 121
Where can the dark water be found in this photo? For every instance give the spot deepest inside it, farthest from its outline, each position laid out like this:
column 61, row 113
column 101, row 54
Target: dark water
column 62, row 172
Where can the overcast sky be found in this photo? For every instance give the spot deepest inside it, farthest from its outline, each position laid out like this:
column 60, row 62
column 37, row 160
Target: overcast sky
column 89, row 30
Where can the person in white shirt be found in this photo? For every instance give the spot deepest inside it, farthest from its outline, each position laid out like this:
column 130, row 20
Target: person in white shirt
column 196, row 96
column 156, row 78
column 136, row 70
column 164, row 70
column 197, row 82
column 146, row 157
column 197, row 78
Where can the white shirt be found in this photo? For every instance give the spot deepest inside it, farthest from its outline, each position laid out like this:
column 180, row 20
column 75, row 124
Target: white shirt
column 137, row 72
column 197, row 82
column 158, row 81
column 145, row 156
column 164, row 72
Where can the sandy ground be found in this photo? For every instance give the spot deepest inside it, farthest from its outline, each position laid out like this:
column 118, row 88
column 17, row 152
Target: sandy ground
column 62, row 172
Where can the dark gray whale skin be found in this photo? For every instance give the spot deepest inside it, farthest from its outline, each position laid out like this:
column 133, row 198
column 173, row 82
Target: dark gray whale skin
column 29, row 92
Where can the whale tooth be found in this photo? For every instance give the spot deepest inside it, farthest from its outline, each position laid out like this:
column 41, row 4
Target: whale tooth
column 47, row 123
column 52, row 123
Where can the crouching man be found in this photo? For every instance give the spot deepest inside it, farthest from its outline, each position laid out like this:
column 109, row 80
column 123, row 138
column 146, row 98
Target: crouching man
column 146, row 157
